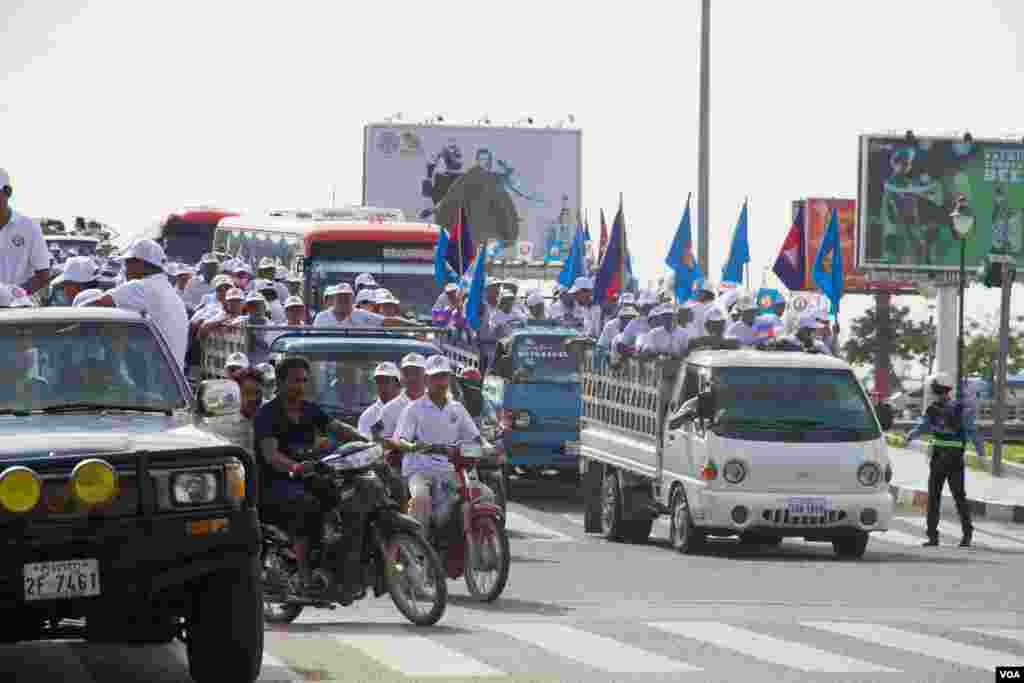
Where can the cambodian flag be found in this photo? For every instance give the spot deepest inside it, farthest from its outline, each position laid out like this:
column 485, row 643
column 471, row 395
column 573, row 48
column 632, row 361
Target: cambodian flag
column 789, row 266
column 612, row 275
column 602, row 246
column 459, row 234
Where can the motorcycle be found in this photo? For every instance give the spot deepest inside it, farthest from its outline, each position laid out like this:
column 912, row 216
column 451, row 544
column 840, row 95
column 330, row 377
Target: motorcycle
column 395, row 557
column 472, row 541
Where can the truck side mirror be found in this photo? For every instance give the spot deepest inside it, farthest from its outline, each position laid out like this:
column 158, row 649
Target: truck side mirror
column 705, row 405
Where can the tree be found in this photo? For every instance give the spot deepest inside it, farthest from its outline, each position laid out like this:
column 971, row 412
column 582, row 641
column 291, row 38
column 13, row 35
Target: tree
column 903, row 337
column 981, row 346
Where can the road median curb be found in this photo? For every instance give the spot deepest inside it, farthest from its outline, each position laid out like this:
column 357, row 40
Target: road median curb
column 1010, row 469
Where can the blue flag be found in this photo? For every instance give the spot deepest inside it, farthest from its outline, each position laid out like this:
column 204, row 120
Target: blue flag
column 574, row 266
column 476, row 291
column 680, row 258
column 739, row 252
column 442, row 271
column 830, row 281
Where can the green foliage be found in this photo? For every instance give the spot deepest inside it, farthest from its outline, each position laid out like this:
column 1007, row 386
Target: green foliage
column 981, row 346
column 906, row 339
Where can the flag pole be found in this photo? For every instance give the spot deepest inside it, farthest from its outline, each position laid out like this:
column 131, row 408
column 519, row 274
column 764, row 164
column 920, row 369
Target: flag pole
column 461, row 260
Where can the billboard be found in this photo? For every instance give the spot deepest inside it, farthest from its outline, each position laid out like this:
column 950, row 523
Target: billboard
column 908, row 188
column 817, row 213
column 514, row 184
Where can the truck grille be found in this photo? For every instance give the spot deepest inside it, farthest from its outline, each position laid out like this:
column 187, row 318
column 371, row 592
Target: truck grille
column 783, row 517
column 57, row 504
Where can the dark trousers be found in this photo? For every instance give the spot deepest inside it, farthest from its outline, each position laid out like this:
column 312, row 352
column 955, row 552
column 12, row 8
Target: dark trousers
column 947, row 465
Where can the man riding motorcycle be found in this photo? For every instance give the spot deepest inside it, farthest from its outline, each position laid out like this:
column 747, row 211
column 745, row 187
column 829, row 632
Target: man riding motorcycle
column 434, row 419
column 287, row 429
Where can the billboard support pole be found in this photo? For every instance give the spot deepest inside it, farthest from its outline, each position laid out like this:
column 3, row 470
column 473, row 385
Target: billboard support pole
column 998, row 430
column 705, row 104
column 883, row 322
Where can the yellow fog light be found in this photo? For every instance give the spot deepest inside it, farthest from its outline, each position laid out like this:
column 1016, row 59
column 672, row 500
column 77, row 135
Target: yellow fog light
column 20, row 489
column 234, row 477
column 94, row 482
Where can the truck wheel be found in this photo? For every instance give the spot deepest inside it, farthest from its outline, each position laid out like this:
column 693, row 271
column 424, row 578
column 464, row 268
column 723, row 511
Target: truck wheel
column 612, row 527
column 590, row 489
column 683, row 534
column 225, row 633
column 852, row 547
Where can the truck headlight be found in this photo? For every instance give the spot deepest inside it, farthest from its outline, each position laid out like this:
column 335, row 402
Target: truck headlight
column 20, row 489
column 194, row 488
column 94, row 481
column 734, row 472
column 869, row 474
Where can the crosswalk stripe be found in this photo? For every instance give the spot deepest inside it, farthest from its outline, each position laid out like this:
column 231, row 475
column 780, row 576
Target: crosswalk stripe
column 999, row 530
column 525, row 525
column 898, row 537
column 921, row 644
column 766, row 648
column 590, row 649
column 1007, row 633
column 417, row 656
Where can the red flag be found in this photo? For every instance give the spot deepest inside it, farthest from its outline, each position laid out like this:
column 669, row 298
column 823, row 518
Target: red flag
column 603, row 244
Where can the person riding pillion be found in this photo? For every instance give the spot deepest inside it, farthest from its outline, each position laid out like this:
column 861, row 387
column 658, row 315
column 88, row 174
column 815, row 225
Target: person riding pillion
column 951, row 425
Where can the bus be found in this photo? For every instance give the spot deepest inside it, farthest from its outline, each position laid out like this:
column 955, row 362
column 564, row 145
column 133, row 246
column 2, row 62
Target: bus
column 251, row 238
column 399, row 255
column 186, row 234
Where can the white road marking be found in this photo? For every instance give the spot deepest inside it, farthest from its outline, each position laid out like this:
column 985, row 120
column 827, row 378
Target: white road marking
column 592, row 650
column 525, row 525
column 917, row 643
column 994, row 529
column 417, row 656
column 953, row 531
column 766, row 648
column 898, row 537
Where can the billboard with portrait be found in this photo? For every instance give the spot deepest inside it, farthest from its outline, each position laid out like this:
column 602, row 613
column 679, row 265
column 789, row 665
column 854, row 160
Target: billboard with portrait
column 908, row 188
column 513, row 184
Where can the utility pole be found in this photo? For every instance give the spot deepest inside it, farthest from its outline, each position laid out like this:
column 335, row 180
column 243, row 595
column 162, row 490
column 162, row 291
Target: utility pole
column 703, row 148
column 998, row 428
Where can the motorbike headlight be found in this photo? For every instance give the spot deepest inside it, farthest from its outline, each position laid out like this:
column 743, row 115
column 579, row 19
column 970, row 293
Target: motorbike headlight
column 869, row 474
column 194, row 488
column 734, row 472
column 522, row 420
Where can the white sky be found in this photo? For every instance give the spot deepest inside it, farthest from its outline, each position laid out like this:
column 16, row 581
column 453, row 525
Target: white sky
column 120, row 110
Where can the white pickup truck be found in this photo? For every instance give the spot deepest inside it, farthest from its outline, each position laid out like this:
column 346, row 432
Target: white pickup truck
column 757, row 444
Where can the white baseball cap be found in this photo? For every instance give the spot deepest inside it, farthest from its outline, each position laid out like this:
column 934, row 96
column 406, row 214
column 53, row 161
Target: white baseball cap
column 746, row 303
column 451, row 287
column 267, row 262
column 714, row 314
column 437, row 365
column 235, row 294
column 414, row 360
column 209, row 258
column 506, row 294
column 581, row 284
column 387, row 369
column 237, row 360
column 86, row 296
column 627, row 298
column 221, row 280
column 5, row 178
column 148, row 251
column 366, row 296
column 262, row 285
column 384, row 296
column 78, row 269
column 343, row 288
column 293, row 301
column 295, row 277
column 280, row 273
column 255, row 298
column 535, row 299
column 663, row 309
column 365, row 279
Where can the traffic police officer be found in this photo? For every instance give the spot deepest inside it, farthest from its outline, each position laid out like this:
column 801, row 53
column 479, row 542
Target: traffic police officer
column 950, row 426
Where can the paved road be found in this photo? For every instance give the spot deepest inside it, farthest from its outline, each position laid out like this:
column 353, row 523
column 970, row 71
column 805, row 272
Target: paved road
column 580, row 609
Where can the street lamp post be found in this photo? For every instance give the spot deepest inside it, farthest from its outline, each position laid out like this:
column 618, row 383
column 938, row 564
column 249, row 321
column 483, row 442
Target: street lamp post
column 963, row 223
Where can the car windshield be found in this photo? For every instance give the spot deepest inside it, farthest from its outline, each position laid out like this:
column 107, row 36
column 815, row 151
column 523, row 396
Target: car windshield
column 343, row 384
column 48, row 365
column 798, row 404
column 411, row 283
column 544, row 358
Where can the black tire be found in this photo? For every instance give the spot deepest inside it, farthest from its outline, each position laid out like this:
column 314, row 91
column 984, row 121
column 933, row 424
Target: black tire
column 851, row 547
column 499, row 482
column 403, row 598
column 612, row 527
column 225, row 632
column 504, row 566
column 276, row 576
column 683, row 535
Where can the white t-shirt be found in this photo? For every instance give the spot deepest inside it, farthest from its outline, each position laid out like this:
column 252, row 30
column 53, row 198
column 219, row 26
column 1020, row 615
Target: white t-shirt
column 635, row 328
column 370, row 417
column 660, row 340
column 196, row 291
column 155, row 297
column 357, row 318
column 392, row 413
column 22, row 250
column 743, row 333
column 277, row 314
column 423, row 421
column 208, row 311
column 612, row 328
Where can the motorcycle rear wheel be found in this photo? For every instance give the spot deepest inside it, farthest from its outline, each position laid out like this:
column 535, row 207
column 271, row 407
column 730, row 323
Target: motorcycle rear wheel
column 493, row 536
column 277, row 572
column 416, row 580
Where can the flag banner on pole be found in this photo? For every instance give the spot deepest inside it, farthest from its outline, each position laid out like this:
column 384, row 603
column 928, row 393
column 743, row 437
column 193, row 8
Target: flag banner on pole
column 575, row 265
column 476, row 290
column 828, row 265
column 612, row 275
column 789, row 265
column 681, row 260
column 739, row 251
column 603, row 244
column 460, row 235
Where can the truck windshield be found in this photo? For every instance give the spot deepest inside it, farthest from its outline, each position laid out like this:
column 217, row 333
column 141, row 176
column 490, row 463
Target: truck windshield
column 185, row 241
column 411, row 283
column 544, row 359
column 47, row 365
column 791, row 404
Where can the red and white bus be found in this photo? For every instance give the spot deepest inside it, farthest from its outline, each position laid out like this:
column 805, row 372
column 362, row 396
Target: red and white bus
column 186, row 234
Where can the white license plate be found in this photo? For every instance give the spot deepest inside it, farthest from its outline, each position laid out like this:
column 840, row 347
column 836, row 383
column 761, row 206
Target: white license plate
column 808, row 506
column 61, row 580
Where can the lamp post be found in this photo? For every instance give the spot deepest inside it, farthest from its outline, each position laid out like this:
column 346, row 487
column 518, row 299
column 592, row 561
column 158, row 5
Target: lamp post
column 963, row 223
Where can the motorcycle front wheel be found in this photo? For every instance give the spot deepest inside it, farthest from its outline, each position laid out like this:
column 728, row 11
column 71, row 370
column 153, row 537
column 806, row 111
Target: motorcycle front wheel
column 487, row 560
column 278, row 570
column 415, row 579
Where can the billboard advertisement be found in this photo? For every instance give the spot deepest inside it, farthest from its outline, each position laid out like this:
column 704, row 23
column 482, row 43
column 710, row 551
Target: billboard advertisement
column 513, row 184
column 817, row 213
column 908, row 188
